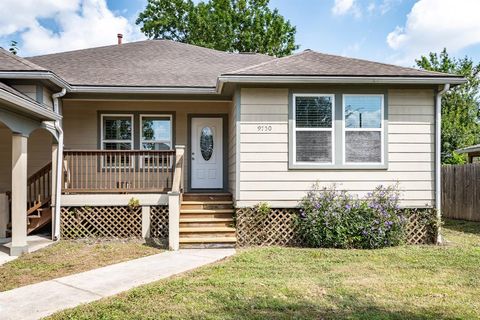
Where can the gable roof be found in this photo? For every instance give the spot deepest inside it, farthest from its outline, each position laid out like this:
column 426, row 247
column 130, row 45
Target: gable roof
column 152, row 63
column 24, row 104
column 12, row 62
column 312, row 63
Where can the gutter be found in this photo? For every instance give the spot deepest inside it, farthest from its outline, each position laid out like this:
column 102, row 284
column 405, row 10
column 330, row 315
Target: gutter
column 221, row 80
column 438, row 159
column 36, row 75
column 58, row 176
column 154, row 90
column 28, row 106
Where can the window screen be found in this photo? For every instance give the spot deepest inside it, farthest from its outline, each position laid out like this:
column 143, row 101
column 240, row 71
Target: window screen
column 314, row 128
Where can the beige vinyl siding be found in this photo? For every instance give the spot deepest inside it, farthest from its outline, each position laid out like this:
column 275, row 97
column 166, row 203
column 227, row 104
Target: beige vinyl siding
column 81, row 124
column 232, row 147
column 264, row 172
column 47, row 98
column 29, row 90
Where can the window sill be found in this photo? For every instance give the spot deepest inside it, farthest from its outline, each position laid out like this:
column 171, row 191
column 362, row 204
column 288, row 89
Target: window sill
column 338, row 167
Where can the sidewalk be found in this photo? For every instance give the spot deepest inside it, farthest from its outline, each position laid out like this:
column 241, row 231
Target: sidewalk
column 45, row 298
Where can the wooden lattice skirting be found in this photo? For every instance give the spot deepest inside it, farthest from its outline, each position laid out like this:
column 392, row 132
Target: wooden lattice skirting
column 101, row 222
column 159, row 222
column 278, row 227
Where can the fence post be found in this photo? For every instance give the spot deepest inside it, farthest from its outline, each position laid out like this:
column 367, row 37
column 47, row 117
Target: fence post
column 146, row 222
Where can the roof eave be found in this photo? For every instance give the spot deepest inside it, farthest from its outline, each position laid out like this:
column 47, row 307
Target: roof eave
column 36, row 75
column 336, row 79
column 143, row 90
column 28, row 107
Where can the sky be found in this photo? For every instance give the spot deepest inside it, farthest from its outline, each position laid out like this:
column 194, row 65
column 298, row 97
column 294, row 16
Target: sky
column 391, row 31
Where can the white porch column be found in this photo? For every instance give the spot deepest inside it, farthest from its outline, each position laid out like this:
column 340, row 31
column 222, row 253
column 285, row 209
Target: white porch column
column 174, row 200
column 173, row 220
column 19, row 195
column 146, row 222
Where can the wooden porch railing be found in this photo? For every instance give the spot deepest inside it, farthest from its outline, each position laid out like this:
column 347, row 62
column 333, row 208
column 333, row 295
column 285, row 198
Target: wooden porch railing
column 178, row 178
column 118, row 171
column 39, row 186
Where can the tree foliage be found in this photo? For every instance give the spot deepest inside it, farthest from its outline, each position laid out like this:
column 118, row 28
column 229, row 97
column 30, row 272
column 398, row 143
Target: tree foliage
column 227, row 25
column 460, row 105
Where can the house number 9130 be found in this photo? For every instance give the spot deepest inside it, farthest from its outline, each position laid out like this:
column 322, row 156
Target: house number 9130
column 264, row 128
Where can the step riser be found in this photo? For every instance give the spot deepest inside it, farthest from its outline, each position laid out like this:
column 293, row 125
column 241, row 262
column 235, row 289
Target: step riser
column 206, row 215
column 206, row 197
column 206, row 234
column 205, row 206
column 206, row 245
column 205, row 224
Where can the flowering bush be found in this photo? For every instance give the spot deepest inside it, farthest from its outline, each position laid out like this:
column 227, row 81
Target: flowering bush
column 333, row 218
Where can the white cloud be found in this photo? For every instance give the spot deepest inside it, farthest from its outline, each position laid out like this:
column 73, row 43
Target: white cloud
column 342, row 7
column 434, row 24
column 81, row 24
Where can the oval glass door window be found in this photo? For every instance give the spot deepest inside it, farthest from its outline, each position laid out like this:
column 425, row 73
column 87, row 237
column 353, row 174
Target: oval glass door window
column 206, row 143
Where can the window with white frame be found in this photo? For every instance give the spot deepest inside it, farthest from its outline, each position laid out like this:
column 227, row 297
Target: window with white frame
column 313, row 125
column 363, row 128
column 117, row 134
column 155, row 134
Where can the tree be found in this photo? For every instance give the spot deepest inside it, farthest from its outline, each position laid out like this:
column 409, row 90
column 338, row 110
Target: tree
column 13, row 47
column 227, row 25
column 460, row 105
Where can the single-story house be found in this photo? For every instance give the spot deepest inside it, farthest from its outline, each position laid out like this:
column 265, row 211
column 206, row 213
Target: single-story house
column 163, row 138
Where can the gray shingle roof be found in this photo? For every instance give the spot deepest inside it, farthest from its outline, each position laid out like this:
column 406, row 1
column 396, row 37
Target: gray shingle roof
column 159, row 63
column 311, row 63
column 11, row 62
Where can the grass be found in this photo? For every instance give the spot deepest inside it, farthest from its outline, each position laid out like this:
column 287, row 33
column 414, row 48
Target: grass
column 68, row 257
column 410, row 282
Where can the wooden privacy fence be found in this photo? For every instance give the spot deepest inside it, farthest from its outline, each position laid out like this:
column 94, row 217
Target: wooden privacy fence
column 461, row 191
column 121, row 171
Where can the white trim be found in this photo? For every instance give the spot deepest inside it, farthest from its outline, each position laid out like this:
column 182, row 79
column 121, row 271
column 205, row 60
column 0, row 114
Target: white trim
column 102, row 141
column 141, row 140
column 381, row 130
column 169, row 116
column 295, row 129
column 29, row 106
column 149, row 89
column 221, row 80
column 40, row 75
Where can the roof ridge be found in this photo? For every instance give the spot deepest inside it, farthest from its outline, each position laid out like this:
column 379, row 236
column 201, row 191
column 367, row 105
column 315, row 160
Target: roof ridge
column 266, row 62
column 21, row 60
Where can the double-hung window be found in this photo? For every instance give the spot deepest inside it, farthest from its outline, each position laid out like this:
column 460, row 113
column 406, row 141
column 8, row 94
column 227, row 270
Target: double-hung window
column 363, row 128
column 155, row 134
column 117, row 134
column 313, row 129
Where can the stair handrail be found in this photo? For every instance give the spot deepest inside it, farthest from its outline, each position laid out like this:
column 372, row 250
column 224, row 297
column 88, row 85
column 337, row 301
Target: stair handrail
column 39, row 185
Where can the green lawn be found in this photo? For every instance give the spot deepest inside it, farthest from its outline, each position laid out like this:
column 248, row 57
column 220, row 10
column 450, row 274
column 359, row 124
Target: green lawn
column 67, row 257
column 411, row 282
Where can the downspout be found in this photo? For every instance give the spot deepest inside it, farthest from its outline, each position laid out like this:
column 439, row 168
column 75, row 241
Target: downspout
column 58, row 182
column 438, row 158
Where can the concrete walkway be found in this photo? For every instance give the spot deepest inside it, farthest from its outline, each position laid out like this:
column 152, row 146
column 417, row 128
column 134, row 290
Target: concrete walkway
column 45, row 298
column 34, row 243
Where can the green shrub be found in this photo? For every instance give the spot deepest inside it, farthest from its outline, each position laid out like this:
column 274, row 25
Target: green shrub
column 332, row 218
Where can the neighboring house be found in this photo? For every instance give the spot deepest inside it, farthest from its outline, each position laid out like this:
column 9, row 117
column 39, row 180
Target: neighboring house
column 472, row 152
column 197, row 132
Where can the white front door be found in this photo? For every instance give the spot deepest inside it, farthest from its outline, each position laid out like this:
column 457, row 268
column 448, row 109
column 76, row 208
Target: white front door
column 207, row 153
